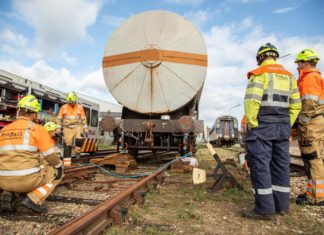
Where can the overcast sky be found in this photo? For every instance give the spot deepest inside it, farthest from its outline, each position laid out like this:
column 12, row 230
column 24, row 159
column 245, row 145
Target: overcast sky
column 60, row 43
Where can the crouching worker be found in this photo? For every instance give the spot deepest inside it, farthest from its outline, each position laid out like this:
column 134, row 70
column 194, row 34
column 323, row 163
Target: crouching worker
column 51, row 129
column 28, row 162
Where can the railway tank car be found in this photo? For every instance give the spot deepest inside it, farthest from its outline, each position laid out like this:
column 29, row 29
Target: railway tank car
column 224, row 132
column 155, row 65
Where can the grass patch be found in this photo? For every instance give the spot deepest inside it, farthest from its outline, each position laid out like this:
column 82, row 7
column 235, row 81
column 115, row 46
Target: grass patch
column 196, row 192
column 115, row 230
column 152, row 230
column 188, row 213
column 233, row 195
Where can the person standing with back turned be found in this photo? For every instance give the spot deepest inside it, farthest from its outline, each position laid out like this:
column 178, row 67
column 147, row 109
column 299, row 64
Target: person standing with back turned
column 271, row 105
column 311, row 125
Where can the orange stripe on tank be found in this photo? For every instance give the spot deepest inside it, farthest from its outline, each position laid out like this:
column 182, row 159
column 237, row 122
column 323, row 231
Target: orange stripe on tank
column 155, row 55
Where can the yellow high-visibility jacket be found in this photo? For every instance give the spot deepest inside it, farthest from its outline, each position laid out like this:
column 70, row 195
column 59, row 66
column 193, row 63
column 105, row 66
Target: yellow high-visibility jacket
column 271, row 95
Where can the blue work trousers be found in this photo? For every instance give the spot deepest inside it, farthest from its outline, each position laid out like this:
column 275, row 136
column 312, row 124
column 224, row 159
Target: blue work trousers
column 269, row 162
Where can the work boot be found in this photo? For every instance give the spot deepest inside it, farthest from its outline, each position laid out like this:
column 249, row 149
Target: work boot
column 304, row 201
column 282, row 212
column 300, row 200
column 31, row 205
column 77, row 156
column 253, row 215
column 8, row 202
column 67, row 151
column 302, row 195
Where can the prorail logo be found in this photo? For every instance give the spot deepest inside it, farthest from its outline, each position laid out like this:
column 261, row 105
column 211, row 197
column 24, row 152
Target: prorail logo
column 12, row 134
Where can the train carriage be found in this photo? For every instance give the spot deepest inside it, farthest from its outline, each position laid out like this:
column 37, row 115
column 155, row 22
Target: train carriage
column 224, row 132
column 14, row 87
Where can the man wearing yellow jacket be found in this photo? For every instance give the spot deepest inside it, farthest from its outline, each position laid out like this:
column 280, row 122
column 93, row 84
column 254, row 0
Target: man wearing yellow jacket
column 28, row 162
column 271, row 105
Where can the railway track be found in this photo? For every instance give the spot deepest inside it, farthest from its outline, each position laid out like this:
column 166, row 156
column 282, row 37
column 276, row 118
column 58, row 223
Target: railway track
column 87, row 202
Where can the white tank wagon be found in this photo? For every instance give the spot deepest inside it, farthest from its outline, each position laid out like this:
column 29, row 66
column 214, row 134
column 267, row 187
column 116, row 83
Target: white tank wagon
column 155, row 65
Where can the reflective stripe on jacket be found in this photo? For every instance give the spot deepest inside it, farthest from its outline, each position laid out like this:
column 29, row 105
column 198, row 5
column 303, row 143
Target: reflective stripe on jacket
column 72, row 116
column 311, row 88
column 21, row 144
column 271, row 95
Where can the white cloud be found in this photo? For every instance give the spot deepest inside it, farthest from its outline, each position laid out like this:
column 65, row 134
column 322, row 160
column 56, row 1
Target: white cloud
column 231, row 50
column 197, row 17
column 284, row 10
column 112, row 20
column 68, row 59
column 185, row 2
column 62, row 79
column 13, row 38
column 231, row 54
column 58, row 22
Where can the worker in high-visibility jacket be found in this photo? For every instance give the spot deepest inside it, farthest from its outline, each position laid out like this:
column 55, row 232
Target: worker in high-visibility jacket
column 28, row 162
column 271, row 104
column 51, row 128
column 311, row 125
column 74, row 122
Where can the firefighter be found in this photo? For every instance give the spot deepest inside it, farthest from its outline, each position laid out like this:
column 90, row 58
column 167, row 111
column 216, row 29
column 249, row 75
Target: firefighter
column 72, row 117
column 28, row 162
column 311, row 125
column 51, row 128
column 271, row 105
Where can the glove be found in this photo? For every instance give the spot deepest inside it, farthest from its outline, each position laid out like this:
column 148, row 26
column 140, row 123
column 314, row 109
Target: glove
column 60, row 173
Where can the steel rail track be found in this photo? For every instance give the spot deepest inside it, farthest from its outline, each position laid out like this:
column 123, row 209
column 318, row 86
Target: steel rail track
column 111, row 211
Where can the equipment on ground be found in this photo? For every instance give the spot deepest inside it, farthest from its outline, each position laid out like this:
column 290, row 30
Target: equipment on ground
column 221, row 175
column 198, row 176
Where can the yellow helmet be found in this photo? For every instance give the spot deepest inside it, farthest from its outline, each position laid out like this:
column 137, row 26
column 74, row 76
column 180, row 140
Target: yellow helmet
column 307, row 55
column 29, row 103
column 50, row 126
column 266, row 50
column 71, row 97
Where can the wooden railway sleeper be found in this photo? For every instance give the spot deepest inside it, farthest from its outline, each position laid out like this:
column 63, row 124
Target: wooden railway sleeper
column 118, row 214
column 139, row 196
column 161, row 178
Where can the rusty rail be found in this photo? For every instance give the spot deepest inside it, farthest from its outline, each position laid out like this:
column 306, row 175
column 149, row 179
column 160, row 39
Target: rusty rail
column 108, row 212
column 75, row 173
